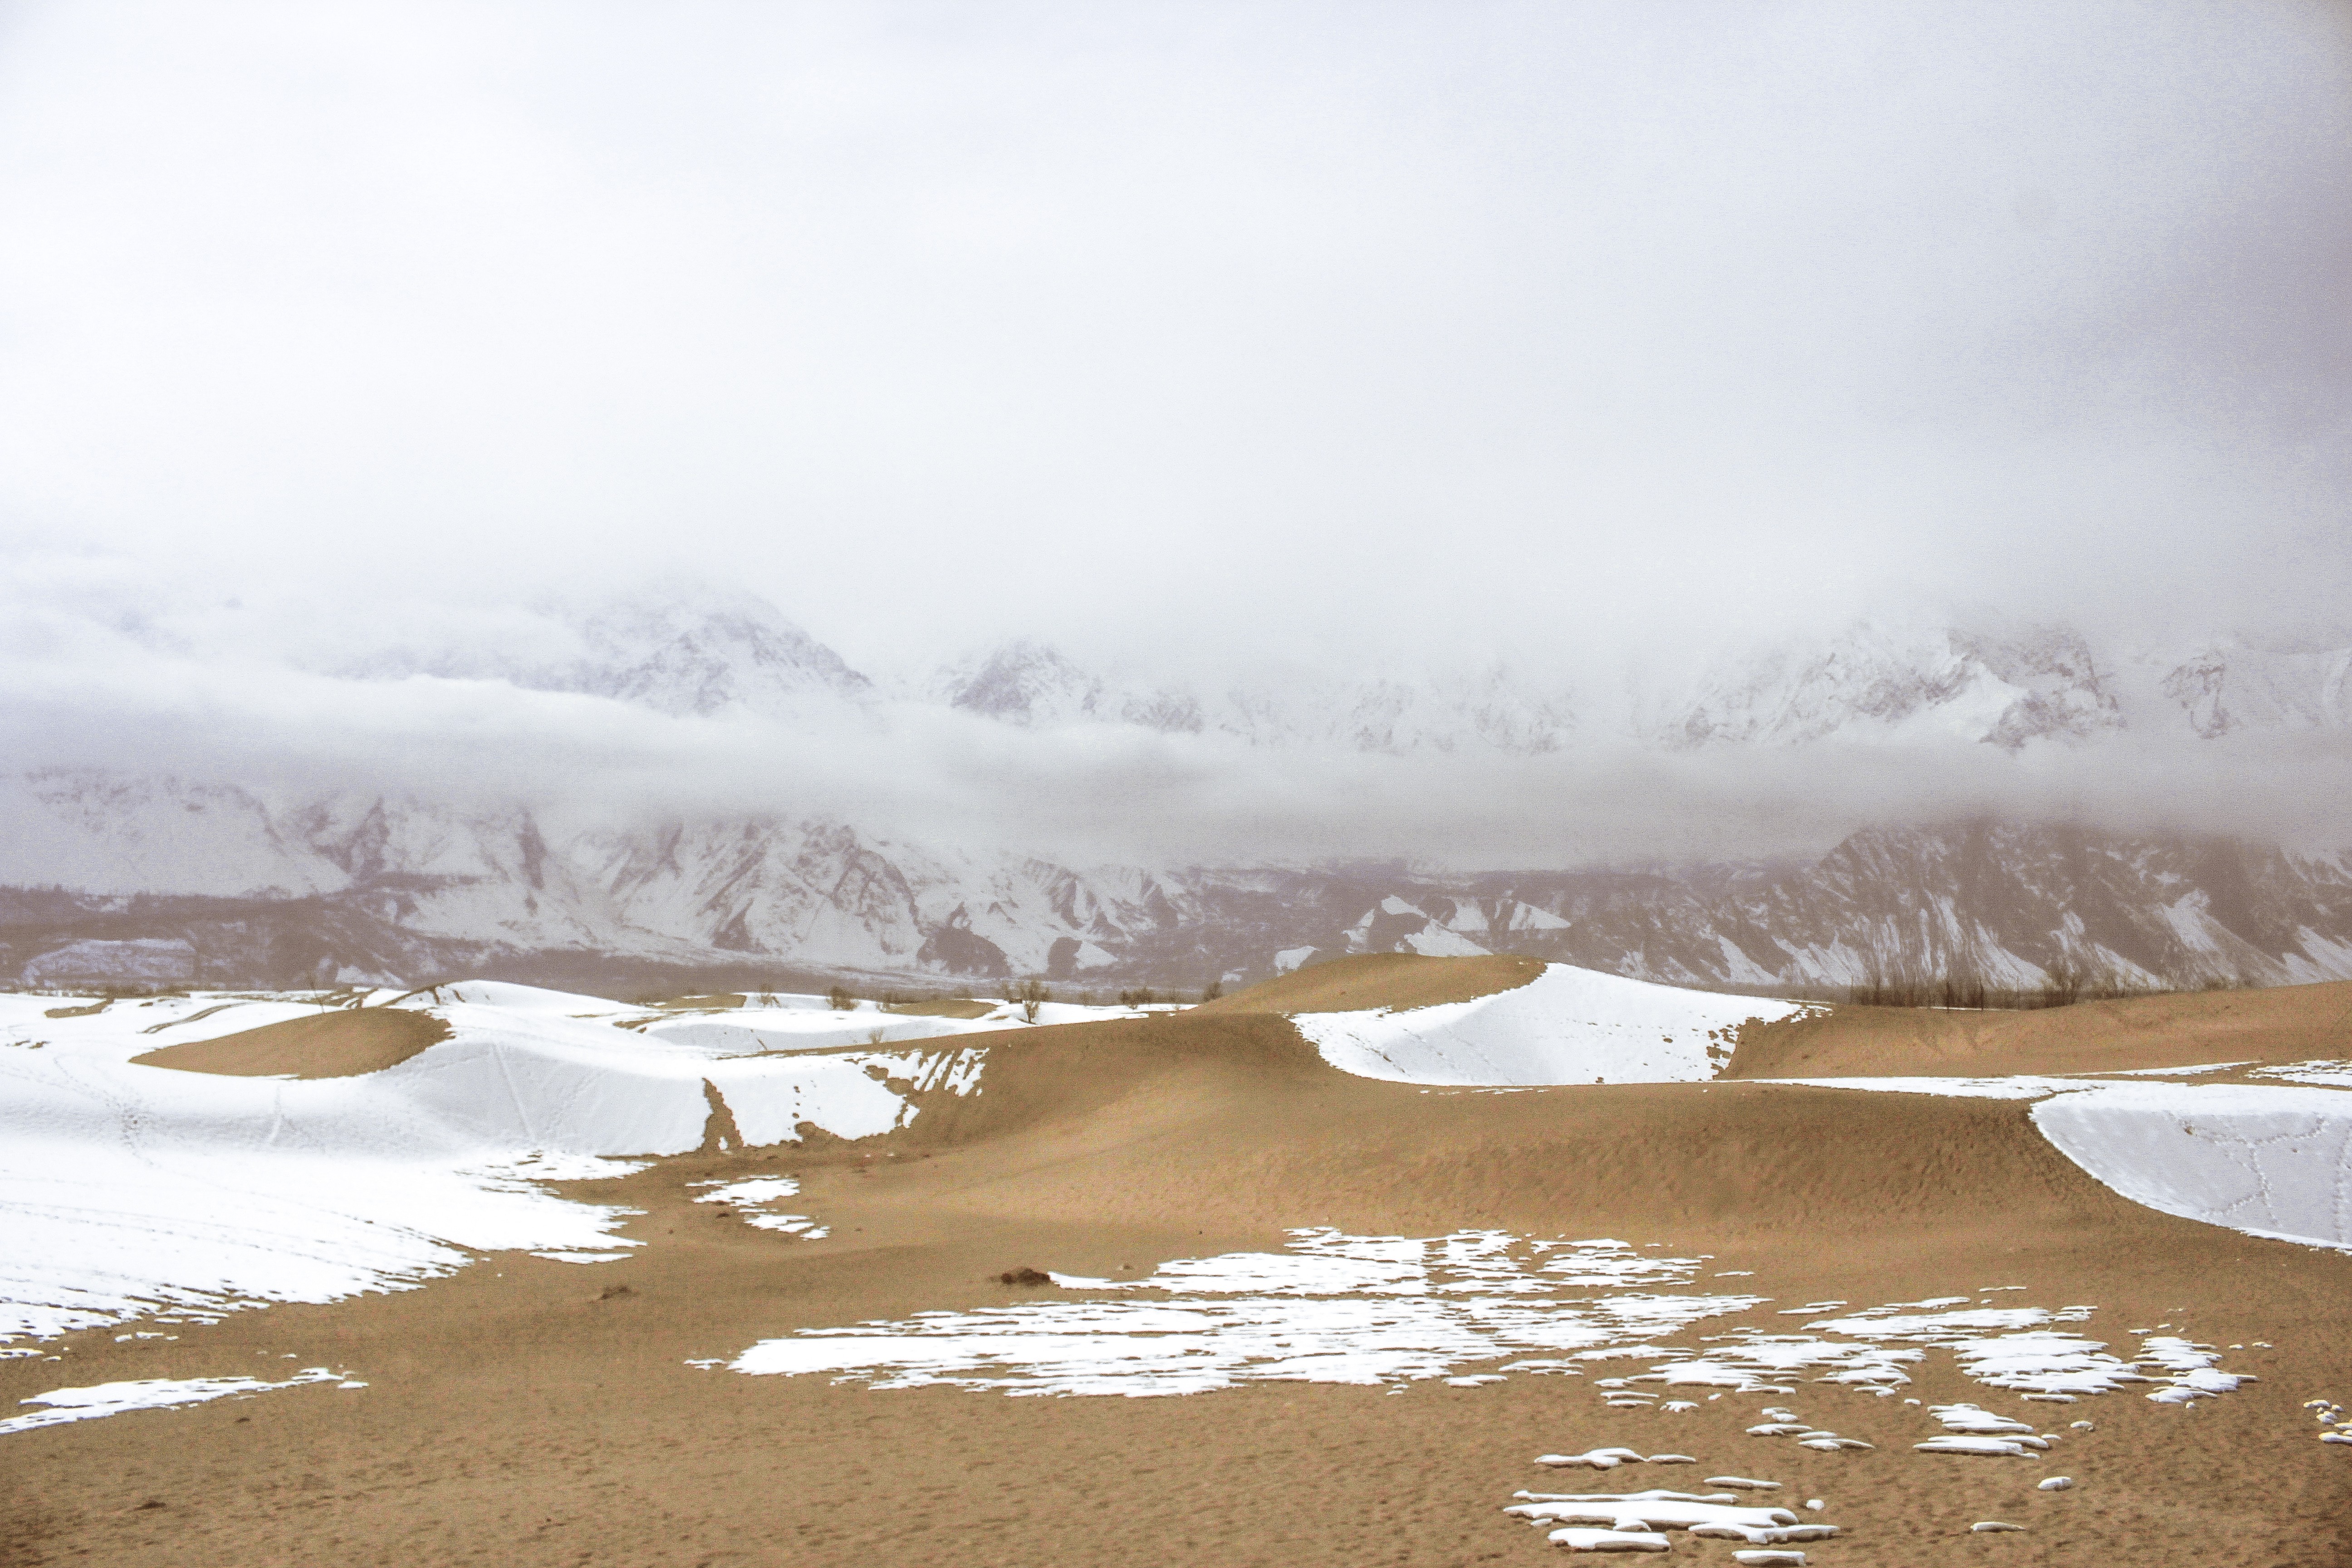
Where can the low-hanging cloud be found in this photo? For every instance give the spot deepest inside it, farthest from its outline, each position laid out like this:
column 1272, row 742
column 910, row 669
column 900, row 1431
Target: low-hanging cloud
column 77, row 695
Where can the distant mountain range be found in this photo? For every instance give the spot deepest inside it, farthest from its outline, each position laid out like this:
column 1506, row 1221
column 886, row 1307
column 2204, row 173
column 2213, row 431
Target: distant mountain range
column 156, row 879
column 717, row 652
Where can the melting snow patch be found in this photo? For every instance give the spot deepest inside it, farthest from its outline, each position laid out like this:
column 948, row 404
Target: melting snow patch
column 748, row 1194
column 2330, row 1074
column 1334, row 1308
column 1984, row 1448
column 1337, row 1308
column 1720, row 1516
column 1610, row 1541
column 66, row 1404
column 1593, row 1459
column 2188, row 1369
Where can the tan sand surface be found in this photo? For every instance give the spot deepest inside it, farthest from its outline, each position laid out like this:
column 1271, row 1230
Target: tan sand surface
column 341, row 1044
column 536, row 1412
column 2291, row 1023
column 953, row 1008
column 707, row 1002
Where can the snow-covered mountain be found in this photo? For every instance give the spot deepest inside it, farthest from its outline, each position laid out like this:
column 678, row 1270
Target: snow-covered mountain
column 707, row 651
column 1034, row 685
column 2009, row 688
column 2225, row 686
column 2041, row 684
column 248, row 884
column 699, row 652
column 392, row 889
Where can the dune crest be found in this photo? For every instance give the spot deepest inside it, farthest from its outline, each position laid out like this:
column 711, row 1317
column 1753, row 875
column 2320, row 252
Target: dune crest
column 346, row 1042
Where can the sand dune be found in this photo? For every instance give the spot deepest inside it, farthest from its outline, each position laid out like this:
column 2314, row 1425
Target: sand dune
column 2289, row 1023
column 1371, row 1271
column 1381, row 981
column 1504, row 1021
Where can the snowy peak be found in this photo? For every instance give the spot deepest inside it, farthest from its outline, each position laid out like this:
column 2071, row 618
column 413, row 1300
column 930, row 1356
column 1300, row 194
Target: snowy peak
column 1034, row 685
column 2003, row 690
column 1027, row 683
column 2058, row 686
column 698, row 653
column 1490, row 709
column 705, row 651
column 702, row 656
column 2225, row 687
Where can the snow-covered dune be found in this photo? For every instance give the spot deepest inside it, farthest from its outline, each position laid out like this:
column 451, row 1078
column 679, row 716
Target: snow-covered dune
column 2269, row 1160
column 125, row 1186
column 1565, row 1026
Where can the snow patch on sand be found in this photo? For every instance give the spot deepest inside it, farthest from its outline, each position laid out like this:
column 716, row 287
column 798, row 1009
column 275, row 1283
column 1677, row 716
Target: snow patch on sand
column 66, row 1404
column 1337, row 1307
column 749, row 1198
column 1720, row 1516
column 1334, row 1308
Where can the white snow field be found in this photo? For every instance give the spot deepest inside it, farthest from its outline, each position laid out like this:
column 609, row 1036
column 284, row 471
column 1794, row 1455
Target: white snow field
column 129, row 1189
column 1565, row 1026
column 2271, row 1161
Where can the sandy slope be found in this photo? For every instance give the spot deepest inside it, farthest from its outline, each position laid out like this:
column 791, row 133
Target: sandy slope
column 2289, row 1023
column 1380, row 980
column 533, row 1412
column 341, row 1044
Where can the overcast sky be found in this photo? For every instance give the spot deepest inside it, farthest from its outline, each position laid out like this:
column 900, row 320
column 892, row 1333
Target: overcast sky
column 1414, row 331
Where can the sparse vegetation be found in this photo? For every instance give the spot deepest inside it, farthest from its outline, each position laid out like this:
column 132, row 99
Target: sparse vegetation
column 1032, row 995
column 839, row 999
column 1142, row 996
column 1961, row 987
column 1211, row 992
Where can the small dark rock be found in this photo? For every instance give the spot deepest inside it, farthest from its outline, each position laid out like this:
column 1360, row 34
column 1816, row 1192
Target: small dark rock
column 1023, row 1276
column 613, row 1290
column 151, row 1502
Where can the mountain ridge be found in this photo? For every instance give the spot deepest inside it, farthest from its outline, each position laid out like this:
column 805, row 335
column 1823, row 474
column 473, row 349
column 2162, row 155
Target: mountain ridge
column 400, row 889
